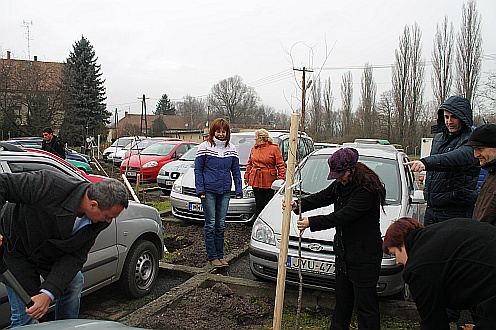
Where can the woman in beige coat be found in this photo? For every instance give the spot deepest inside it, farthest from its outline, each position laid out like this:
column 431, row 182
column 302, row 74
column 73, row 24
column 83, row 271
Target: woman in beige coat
column 264, row 166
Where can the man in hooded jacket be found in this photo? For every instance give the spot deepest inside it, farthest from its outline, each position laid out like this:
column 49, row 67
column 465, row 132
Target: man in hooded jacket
column 452, row 171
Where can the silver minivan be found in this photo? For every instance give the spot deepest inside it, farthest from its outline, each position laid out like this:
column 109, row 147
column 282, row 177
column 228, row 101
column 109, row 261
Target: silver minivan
column 403, row 198
column 187, row 206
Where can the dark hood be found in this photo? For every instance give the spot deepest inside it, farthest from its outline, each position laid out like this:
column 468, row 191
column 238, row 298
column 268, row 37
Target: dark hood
column 460, row 107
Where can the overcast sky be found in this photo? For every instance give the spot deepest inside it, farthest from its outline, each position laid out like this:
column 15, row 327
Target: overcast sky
column 185, row 47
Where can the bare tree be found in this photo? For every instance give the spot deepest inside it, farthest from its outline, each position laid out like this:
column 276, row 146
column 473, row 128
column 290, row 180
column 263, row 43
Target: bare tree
column 233, row 99
column 315, row 111
column 416, row 90
column 330, row 117
column 30, row 96
column 469, row 56
column 346, row 102
column 400, row 80
column 366, row 108
column 442, row 61
column 408, row 86
column 387, row 113
column 194, row 109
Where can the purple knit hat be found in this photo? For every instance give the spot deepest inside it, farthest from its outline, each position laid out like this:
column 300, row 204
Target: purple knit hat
column 341, row 161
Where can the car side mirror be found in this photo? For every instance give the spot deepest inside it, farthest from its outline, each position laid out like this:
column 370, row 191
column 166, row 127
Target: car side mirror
column 417, row 197
column 277, row 184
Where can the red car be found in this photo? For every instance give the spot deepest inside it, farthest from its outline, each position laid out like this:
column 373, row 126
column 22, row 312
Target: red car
column 149, row 162
column 91, row 177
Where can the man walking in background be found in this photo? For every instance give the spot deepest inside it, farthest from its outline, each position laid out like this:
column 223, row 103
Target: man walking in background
column 52, row 143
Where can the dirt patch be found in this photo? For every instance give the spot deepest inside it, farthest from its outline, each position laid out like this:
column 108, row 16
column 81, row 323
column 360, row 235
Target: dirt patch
column 213, row 308
column 186, row 246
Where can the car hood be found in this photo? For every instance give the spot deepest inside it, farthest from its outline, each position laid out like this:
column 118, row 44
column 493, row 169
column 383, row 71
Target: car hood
column 187, row 180
column 137, row 160
column 136, row 210
column 180, row 166
column 272, row 215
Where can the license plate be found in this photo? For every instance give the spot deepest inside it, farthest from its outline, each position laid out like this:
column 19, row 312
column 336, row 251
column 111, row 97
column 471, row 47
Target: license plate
column 195, row 207
column 131, row 174
column 311, row 266
column 169, row 183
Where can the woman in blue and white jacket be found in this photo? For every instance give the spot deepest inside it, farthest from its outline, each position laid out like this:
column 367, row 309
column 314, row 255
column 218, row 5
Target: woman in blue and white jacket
column 216, row 166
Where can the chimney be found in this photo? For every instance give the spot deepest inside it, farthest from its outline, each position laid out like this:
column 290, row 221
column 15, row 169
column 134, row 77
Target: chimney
column 8, row 54
column 35, row 58
column 126, row 113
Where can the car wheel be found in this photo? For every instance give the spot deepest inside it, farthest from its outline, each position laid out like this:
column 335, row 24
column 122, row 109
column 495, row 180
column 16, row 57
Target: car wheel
column 140, row 270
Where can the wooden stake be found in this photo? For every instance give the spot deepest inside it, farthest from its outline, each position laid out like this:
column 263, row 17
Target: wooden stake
column 286, row 220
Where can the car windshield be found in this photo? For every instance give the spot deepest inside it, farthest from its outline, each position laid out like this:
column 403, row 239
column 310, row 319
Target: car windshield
column 122, row 142
column 146, row 143
column 159, row 149
column 244, row 143
column 190, row 155
column 313, row 175
column 131, row 145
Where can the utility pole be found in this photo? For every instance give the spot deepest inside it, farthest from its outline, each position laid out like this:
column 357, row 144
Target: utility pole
column 115, row 123
column 143, row 116
column 303, row 96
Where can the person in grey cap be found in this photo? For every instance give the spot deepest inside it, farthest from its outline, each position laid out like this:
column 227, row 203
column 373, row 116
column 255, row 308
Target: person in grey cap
column 357, row 194
column 483, row 140
column 452, row 171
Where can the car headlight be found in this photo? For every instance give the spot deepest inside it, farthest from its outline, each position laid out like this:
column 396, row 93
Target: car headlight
column 176, row 188
column 248, row 192
column 152, row 163
column 261, row 232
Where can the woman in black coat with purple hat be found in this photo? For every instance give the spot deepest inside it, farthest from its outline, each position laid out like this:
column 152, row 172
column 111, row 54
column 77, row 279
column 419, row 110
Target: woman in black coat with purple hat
column 357, row 194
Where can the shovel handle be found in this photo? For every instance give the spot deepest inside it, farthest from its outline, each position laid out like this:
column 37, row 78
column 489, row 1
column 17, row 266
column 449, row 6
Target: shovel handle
column 8, row 279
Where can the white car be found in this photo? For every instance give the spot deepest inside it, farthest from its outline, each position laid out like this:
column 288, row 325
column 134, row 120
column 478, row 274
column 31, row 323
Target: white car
column 403, row 198
column 171, row 171
column 187, row 206
column 117, row 146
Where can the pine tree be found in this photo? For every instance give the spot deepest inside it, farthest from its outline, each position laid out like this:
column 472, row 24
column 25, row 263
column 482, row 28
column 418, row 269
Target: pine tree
column 84, row 94
column 165, row 107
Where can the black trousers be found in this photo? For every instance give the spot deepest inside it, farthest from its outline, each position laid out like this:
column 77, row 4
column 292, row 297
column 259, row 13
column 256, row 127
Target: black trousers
column 262, row 197
column 349, row 294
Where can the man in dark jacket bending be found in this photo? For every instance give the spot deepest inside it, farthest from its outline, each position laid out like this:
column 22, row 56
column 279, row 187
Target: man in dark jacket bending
column 462, row 254
column 452, row 171
column 49, row 222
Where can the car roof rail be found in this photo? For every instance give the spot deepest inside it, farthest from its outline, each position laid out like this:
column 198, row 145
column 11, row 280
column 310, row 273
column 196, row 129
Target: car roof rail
column 9, row 147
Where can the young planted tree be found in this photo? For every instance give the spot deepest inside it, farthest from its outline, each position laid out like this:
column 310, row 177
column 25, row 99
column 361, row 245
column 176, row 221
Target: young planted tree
column 84, row 94
column 469, row 52
column 442, row 61
column 165, row 106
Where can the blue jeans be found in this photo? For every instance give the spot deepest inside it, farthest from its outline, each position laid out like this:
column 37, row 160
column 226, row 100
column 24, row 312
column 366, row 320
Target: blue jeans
column 215, row 210
column 66, row 306
column 432, row 216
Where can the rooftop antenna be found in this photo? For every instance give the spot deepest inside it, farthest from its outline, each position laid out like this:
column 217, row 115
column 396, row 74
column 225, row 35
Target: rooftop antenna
column 26, row 25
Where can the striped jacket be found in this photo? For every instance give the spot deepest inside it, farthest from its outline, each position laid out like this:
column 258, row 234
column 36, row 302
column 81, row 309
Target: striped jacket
column 216, row 167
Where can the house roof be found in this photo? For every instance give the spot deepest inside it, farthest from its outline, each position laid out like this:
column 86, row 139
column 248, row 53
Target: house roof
column 172, row 122
column 20, row 75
